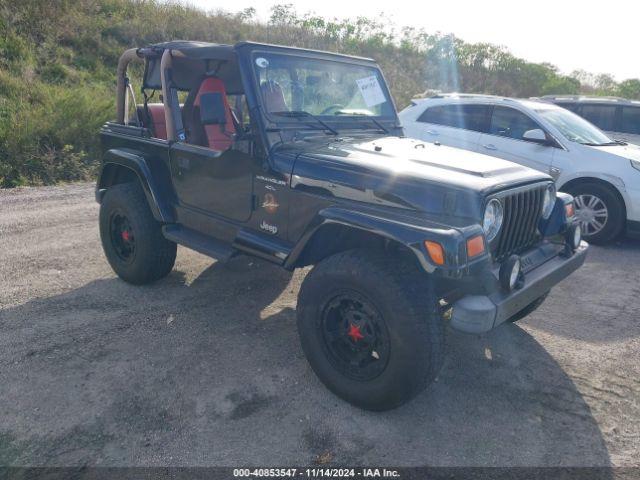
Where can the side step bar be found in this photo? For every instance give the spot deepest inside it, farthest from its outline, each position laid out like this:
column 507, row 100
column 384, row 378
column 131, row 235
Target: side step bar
column 198, row 242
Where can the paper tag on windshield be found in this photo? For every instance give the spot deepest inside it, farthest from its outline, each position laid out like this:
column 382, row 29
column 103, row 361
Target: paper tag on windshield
column 371, row 91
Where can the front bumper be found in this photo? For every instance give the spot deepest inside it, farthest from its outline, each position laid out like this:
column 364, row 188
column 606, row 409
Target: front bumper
column 481, row 313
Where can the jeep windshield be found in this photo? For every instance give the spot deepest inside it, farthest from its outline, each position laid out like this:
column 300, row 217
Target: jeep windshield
column 575, row 128
column 321, row 91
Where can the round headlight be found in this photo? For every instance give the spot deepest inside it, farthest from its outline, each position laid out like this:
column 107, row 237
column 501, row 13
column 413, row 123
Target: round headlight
column 549, row 200
column 492, row 221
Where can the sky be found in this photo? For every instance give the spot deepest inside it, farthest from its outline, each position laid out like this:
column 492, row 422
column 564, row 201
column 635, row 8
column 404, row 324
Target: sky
column 596, row 36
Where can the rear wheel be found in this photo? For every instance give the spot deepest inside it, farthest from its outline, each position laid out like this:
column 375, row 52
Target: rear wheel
column 132, row 239
column 599, row 211
column 370, row 329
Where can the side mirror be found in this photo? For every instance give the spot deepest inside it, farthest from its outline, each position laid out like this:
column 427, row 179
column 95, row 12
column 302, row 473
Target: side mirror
column 212, row 111
column 536, row 135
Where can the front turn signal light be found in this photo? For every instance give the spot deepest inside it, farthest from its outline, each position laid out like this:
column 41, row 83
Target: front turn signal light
column 475, row 246
column 436, row 252
column 570, row 210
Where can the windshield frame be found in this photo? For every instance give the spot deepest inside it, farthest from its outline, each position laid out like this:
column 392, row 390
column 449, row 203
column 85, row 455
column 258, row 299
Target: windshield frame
column 542, row 109
column 351, row 122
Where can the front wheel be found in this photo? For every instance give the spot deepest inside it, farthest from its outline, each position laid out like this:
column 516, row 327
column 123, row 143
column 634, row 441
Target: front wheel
column 529, row 309
column 370, row 329
column 131, row 238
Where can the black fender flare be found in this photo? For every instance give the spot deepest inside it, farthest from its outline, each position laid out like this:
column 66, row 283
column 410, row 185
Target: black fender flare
column 410, row 236
column 135, row 162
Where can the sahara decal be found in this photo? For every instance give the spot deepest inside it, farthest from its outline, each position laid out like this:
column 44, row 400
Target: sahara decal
column 270, row 203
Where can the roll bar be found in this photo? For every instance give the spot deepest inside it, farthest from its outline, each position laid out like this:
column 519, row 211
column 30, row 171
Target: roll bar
column 172, row 117
column 165, row 64
column 121, row 87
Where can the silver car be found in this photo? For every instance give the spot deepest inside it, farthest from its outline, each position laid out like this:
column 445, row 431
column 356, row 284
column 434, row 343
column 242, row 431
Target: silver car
column 618, row 117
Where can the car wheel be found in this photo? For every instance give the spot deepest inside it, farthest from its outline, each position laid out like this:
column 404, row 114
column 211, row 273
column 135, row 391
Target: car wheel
column 599, row 211
column 132, row 238
column 529, row 309
column 370, row 328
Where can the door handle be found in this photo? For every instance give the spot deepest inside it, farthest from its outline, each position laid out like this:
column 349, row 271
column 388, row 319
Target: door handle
column 182, row 166
column 490, row 146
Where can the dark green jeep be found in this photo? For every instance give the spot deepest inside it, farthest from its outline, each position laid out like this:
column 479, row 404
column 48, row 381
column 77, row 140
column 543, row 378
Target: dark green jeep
column 297, row 157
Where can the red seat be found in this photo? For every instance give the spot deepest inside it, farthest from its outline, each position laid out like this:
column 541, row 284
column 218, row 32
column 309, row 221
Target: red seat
column 220, row 136
column 273, row 97
column 158, row 123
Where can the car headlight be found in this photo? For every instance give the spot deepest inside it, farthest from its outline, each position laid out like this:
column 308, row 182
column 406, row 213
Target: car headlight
column 549, row 200
column 492, row 221
column 635, row 164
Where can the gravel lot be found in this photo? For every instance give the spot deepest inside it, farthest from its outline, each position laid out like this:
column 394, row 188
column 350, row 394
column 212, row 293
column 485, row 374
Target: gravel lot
column 205, row 368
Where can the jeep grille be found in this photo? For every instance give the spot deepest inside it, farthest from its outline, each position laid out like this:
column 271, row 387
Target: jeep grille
column 522, row 211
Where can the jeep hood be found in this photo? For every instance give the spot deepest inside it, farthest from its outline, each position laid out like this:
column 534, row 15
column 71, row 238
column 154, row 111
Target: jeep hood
column 408, row 173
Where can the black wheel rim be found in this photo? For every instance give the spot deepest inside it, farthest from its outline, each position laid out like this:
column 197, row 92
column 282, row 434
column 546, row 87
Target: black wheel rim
column 355, row 336
column 122, row 237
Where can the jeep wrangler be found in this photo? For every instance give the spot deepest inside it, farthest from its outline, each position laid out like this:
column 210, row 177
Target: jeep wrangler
column 297, row 157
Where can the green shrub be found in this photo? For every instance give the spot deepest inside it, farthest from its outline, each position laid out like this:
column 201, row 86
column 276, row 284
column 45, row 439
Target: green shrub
column 12, row 47
column 48, row 132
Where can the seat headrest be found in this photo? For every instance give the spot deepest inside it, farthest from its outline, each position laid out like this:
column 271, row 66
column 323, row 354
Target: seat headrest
column 273, row 97
column 216, row 135
column 210, row 85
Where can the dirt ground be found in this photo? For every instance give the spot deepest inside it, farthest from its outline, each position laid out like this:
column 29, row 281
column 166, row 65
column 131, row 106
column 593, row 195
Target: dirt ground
column 205, row 367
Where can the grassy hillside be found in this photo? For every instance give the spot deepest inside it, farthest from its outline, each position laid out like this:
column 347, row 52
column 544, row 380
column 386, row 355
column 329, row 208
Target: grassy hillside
column 58, row 58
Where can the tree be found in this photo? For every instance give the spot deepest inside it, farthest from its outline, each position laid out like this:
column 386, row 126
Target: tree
column 629, row 89
column 560, row 85
column 605, row 84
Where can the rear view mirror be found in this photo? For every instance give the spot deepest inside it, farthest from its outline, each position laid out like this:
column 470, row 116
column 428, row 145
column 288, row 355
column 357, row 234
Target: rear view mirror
column 212, row 111
column 536, row 135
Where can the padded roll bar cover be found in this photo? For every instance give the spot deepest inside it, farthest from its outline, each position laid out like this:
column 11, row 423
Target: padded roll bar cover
column 121, row 87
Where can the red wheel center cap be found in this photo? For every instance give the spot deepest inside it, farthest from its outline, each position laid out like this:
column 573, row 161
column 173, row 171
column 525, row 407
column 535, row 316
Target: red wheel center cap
column 355, row 333
column 126, row 236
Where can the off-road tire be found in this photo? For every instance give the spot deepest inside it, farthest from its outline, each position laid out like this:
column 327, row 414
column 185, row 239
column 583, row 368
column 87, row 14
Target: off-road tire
column 615, row 206
column 401, row 293
column 153, row 256
column 529, row 309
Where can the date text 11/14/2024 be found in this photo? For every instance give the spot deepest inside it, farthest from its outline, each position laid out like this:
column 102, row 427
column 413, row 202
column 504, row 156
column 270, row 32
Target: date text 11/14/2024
column 316, row 473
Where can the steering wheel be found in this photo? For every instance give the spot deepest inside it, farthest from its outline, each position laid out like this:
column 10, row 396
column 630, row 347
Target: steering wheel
column 335, row 106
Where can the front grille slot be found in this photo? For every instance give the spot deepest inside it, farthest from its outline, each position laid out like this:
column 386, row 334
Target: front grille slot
column 522, row 211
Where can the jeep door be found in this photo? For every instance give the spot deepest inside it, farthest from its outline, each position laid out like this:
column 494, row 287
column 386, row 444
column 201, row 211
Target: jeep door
column 504, row 139
column 212, row 183
column 455, row 125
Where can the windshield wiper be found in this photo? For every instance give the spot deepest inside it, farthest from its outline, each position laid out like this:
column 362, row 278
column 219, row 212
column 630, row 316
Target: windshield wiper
column 367, row 117
column 606, row 144
column 303, row 114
